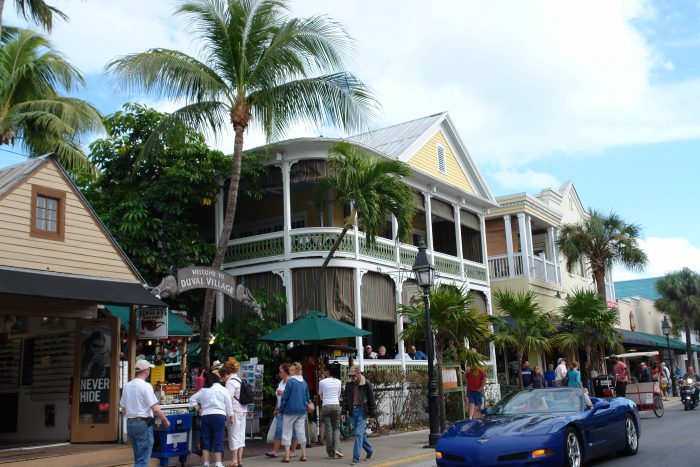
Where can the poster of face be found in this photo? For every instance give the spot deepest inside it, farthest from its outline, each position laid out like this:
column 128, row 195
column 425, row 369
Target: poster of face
column 152, row 323
column 95, row 370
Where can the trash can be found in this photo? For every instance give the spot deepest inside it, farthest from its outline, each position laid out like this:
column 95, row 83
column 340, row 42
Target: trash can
column 604, row 386
column 173, row 441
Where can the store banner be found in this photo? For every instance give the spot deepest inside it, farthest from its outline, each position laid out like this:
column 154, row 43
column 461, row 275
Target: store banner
column 206, row 278
column 95, row 371
column 152, row 323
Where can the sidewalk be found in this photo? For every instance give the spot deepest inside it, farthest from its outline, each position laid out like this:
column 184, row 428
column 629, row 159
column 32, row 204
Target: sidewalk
column 388, row 451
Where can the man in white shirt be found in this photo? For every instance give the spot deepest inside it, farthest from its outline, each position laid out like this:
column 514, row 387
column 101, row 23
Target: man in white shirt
column 138, row 404
column 560, row 372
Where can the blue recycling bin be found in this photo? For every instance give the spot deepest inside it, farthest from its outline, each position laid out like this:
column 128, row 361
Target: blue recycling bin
column 173, row 441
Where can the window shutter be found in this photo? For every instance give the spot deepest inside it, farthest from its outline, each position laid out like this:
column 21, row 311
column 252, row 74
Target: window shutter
column 442, row 163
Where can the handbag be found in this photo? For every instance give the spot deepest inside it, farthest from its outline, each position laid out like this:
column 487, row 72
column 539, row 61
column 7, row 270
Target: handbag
column 271, row 431
column 310, row 407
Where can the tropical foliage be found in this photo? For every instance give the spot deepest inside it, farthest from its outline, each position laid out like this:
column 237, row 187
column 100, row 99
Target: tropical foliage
column 260, row 67
column 373, row 188
column 453, row 319
column 605, row 240
column 587, row 323
column 680, row 298
column 33, row 113
column 37, row 11
column 522, row 325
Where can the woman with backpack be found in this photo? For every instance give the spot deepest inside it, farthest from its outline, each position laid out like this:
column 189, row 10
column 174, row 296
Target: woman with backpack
column 236, row 433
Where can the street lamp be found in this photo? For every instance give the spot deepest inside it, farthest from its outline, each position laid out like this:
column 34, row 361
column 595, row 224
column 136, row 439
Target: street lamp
column 423, row 271
column 666, row 329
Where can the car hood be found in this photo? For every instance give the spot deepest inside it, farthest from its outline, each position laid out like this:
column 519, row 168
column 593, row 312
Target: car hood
column 509, row 425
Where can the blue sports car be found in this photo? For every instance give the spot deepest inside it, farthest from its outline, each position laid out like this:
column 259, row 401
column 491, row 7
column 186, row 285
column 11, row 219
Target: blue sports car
column 557, row 426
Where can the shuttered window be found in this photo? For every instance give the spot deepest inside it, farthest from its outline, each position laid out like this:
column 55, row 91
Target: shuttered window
column 441, row 162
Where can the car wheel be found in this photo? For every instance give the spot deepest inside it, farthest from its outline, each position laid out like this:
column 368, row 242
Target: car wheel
column 631, row 437
column 572, row 449
column 658, row 406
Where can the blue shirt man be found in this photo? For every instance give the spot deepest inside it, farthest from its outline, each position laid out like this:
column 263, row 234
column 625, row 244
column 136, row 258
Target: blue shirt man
column 416, row 354
column 526, row 372
column 549, row 375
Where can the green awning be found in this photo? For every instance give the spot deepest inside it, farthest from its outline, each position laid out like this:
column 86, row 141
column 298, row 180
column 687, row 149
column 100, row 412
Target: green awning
column 176, row 327
column 653, row 340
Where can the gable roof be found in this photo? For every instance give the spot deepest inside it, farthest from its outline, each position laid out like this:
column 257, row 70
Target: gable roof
column 402, row 141
column 644, row 288
column 395, row 140
column 13, row 176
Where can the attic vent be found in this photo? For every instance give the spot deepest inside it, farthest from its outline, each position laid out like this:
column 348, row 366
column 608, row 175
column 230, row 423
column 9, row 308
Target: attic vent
column 441, row 162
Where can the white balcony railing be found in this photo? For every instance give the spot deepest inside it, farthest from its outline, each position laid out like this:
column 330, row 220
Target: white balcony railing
column 540, row 267
column 318, row 241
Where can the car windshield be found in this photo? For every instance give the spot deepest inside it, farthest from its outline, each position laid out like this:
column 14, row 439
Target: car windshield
column 540, row 401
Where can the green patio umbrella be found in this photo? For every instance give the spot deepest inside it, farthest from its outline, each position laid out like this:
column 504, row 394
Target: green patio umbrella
column 313, row 326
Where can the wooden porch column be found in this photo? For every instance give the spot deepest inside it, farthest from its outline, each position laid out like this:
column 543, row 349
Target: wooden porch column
column 530, row 249
column 524, row 250
column 287, row 208
column 509, row 245
column 429, row 225
column 458, row 237
column 358, row 314
column 131, row 345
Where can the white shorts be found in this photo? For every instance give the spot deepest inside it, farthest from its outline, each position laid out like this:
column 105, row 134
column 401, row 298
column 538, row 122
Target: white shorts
column 236, row 433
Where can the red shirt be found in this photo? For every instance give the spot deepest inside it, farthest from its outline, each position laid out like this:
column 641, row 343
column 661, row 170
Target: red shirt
column 476, row 380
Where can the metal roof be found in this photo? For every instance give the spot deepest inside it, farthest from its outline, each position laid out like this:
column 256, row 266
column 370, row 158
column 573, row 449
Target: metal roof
column 394, row 140
column 644, row 288
column 9, row 176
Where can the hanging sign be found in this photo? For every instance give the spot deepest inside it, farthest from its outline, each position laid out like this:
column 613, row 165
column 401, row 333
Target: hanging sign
column 205, row 278
column 152, row 323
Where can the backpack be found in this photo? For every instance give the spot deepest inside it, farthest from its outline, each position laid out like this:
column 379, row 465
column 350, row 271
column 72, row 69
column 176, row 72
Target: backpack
column 245, row 396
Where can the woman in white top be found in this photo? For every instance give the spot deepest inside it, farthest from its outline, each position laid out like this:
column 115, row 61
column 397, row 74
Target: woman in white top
column 284, row 376
column 329, row 389
column 236, row 433
column 215, row 406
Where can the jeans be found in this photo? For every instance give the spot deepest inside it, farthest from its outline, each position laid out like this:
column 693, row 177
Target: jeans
column 331, row 426
column 359, row 422
column 141, row 437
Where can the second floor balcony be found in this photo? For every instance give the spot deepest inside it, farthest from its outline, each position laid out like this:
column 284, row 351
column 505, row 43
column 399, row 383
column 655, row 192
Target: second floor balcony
column 539, row 267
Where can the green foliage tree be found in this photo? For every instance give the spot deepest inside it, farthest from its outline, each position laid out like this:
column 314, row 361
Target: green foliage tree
column 150, row 206
column 522, row 327
column 374, row 189
column 680, row 298
column 37, row 11
column 33, row 113
column 605, row 240
column 453, row 318
column 587, row 324
column 260, row 67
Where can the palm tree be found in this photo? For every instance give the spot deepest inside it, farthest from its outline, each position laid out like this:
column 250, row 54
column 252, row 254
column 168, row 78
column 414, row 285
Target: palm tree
column 36, row 10
column 523, row 326
column 33, row 113
column 374, row 189
column 589, row 324
column 680, row 298
column 453, row 318
column 260, row 67
column 605, row 240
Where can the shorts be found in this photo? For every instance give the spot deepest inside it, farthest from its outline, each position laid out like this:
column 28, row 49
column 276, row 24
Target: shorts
column 475, row 397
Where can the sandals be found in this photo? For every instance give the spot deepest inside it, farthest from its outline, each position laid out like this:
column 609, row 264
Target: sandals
column 285, row 460
column 302, row 459
column 271, row 454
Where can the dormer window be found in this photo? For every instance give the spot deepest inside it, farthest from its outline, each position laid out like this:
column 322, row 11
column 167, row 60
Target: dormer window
column 48, row 213
column 441, row 161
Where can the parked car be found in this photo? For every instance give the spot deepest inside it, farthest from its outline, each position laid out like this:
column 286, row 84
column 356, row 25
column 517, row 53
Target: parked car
column 543, row 427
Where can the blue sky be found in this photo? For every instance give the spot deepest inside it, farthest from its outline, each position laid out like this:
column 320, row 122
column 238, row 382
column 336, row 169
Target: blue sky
column 601, row 93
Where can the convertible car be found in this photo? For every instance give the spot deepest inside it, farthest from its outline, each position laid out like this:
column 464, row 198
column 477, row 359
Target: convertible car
column 552, row 427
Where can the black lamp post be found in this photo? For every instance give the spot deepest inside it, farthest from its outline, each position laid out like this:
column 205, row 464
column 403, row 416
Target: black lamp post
column 424, row 276
column 666, row 329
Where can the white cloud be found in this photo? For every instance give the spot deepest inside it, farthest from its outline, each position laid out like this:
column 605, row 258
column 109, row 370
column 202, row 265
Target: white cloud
column 665, row 255
column 512, row 179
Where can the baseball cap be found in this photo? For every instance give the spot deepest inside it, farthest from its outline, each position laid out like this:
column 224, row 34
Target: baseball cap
column 143, row 365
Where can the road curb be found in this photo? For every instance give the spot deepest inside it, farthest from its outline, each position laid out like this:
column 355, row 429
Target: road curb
column 404, row 460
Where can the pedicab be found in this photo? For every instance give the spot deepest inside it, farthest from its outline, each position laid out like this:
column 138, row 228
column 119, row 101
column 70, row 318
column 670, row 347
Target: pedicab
column 647, row 395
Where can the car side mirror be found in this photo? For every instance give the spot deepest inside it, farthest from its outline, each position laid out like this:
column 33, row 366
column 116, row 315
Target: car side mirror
column 600, row 405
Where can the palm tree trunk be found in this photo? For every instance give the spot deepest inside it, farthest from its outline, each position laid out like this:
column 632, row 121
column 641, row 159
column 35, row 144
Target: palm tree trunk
column 230, row 214
column 589, row 366
column 599, row 277
column 314, row 285
column 2, row 5
column 519, row 353
column 688, row 348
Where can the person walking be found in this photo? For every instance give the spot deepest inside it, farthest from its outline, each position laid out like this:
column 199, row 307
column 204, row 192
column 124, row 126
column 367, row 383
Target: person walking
column 138, row 405
column 359, row 403
column 574, row 376
column 329, row 389
column 476, row 380
column 538, row 381
column 236, row 433
column 665, row 380
column 293, row 407
column 216, row 409
column 560, row 372
column 621, row 377
column 284, row 374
